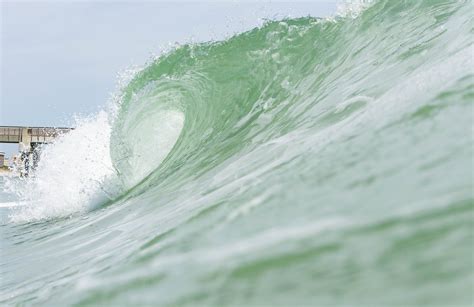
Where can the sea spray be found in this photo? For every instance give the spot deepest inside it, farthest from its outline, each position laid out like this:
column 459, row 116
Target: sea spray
column 74, row 174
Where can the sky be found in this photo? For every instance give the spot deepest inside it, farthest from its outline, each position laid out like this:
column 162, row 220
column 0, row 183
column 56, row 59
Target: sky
column 60, row 59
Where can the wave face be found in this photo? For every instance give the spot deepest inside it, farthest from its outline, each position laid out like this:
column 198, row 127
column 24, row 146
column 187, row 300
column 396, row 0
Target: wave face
column 307, row 161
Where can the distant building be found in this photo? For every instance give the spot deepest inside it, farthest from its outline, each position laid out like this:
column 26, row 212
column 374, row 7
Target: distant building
column 2, row 159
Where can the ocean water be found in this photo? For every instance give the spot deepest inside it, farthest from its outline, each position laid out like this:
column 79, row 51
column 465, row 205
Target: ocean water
column 306, row 162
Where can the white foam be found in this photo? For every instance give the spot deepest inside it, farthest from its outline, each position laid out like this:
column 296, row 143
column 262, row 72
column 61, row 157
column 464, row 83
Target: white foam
column 75, row 174
column 351, row 8
column 11, row 204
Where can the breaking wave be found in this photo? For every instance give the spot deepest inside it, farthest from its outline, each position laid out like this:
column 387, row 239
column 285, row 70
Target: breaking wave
column 222, row 163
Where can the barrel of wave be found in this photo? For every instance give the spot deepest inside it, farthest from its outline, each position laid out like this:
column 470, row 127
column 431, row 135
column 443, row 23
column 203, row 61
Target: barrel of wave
column 144, row 142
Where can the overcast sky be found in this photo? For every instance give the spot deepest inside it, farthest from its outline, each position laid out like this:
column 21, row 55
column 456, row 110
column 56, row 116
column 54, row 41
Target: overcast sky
column 58, row 59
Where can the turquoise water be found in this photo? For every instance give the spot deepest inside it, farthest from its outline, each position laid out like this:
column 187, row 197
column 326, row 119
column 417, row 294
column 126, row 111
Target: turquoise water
column 305, row 162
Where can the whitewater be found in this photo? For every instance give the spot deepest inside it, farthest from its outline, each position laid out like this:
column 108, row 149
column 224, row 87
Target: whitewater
column 304, row 162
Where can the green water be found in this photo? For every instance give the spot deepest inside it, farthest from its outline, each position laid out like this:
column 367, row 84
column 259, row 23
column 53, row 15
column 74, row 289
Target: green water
column 306, row 162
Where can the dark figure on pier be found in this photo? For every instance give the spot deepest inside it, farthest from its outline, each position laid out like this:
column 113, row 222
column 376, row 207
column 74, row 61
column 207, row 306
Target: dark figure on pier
column 25, row 159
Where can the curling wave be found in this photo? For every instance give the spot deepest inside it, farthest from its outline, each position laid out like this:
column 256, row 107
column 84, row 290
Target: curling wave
column 305, row 162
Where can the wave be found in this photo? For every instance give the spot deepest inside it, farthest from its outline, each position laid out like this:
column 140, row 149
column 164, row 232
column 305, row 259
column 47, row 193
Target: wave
column 304, row 162
column 239, row 110
column 300, row 82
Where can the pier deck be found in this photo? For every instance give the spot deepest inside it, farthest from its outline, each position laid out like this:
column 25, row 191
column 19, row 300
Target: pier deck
column 30, row 135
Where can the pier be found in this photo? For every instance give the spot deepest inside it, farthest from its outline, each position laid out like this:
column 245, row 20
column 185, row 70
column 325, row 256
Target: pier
column 29, row 136
column 29, row 140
